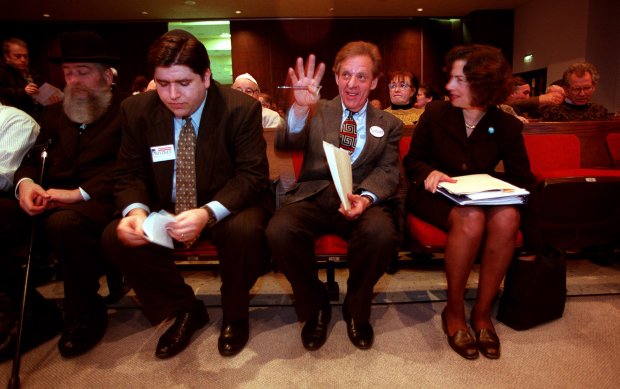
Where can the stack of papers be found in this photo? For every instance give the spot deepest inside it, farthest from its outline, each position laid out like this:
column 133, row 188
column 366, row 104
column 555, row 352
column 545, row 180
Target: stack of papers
column 482, row 189
column 339, row 163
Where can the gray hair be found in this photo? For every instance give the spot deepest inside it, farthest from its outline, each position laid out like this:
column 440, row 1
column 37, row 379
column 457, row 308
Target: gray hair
column 579, row 69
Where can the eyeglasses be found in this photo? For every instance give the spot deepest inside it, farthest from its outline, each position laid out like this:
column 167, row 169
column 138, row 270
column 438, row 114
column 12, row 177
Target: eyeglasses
column 401, row 85
column 585, row 89
column 247, row 91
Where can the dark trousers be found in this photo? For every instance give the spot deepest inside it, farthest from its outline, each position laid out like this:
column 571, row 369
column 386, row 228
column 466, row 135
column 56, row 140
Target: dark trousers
column 151, row 271
column 372, row 243
column 72, row 234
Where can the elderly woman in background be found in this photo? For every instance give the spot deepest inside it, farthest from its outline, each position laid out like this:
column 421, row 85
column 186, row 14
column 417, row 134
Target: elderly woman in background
column 470, row 135
column 403, row 87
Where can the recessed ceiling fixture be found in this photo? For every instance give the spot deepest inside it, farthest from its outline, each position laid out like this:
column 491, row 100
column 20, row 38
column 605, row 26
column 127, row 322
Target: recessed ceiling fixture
column 420, row 9
column 144, row 12
column 237, row 12
column 189, row 2
column 528, row 58
column 47, row 15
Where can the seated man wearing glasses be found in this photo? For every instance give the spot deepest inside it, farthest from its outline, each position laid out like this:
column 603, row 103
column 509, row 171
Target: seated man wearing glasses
column 403, row 88
column 247, row 84
column 580, row 81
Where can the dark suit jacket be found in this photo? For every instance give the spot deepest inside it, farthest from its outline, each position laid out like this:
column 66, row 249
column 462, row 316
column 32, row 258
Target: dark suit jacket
column 375, row 170
column 231, row 160
column 75, row 160
column 440, row 143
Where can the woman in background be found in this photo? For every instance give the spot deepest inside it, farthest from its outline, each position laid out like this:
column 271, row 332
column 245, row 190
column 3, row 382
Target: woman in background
column 403, row 87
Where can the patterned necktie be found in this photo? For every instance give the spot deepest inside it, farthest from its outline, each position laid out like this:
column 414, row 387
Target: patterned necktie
column 186, row 168
column 348, row 134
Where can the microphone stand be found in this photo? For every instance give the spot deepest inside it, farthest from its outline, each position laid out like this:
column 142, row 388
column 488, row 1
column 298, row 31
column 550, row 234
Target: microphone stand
column 14, row 382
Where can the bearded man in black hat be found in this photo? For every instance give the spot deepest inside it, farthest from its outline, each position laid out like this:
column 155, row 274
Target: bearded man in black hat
column 74, row 201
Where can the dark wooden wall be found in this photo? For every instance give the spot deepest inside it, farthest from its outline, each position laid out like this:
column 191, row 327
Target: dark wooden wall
column 267, row 48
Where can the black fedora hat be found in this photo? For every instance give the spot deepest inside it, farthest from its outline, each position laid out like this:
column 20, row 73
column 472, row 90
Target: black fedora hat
column 83, row 46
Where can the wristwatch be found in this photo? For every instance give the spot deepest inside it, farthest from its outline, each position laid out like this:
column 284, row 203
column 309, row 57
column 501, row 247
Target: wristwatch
column 212, row 220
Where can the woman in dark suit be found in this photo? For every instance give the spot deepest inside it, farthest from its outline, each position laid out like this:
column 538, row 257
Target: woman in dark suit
column 469, row 135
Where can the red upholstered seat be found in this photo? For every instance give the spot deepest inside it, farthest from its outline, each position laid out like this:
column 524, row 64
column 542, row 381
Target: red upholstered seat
column 325, row 245
column 552, row 154
column 430, row 238
column 201, row 249
column 613, row 144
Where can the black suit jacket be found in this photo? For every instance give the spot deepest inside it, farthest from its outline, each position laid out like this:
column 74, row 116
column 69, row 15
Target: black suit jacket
column 78, row 157
column 440, row 143
column 231, row 160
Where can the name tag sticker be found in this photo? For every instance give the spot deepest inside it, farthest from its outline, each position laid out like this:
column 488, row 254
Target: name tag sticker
column 377, row 131
column 163, row 153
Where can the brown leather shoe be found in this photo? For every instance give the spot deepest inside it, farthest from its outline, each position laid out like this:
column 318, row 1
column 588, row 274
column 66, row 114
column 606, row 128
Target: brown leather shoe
column 488, row 342
column 462, row 342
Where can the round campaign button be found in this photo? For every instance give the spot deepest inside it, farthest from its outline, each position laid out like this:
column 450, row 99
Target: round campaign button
column 376, row 131
column 491, row 130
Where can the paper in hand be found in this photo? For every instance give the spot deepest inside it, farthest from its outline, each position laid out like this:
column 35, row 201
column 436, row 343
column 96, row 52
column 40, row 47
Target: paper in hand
column 339, row 163
column 46, row 92
column 154, row 228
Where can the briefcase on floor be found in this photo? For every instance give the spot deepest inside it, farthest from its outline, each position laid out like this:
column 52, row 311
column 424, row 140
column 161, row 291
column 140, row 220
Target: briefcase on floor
column 534, row 291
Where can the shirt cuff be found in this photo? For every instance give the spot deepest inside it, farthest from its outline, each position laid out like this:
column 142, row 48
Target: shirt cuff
column 374, row 197
column 133, row 206
column 218, row 209
column 17, row 186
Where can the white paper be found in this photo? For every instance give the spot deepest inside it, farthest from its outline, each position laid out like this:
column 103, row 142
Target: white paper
column 47, row 91
column 154, row 228
column 339, row 163
column 482, row 189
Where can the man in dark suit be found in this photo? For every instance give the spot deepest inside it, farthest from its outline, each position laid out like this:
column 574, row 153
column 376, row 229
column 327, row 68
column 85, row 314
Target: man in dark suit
column 231, row 186
column 312, row 207
column 74, row 201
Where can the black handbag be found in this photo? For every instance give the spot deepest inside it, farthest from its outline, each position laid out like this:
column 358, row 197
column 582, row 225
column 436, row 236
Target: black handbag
column 534, row 291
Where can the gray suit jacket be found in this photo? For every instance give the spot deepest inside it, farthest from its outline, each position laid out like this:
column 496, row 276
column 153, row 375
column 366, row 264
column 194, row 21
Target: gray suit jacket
column 375, row 170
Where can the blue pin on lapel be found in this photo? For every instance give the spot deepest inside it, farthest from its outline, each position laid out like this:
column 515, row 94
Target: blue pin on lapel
column 491, row 130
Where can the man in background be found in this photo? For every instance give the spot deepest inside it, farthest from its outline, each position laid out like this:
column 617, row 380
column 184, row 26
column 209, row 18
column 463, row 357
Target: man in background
column 580, row 81
column 18, row 84
column 247, row 84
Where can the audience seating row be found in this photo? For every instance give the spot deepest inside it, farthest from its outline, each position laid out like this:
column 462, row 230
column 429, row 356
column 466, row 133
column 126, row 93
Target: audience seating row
column 554, row 155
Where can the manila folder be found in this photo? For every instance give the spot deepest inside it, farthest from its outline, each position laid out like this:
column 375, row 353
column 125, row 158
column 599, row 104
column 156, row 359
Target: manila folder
column 340, row 167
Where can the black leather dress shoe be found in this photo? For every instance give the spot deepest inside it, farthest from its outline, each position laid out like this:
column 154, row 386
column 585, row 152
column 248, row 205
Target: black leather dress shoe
column 177, row 337
column 83, row 333
column 233, row 337
column 360, row 334
column 314, row 333
column 462, row 342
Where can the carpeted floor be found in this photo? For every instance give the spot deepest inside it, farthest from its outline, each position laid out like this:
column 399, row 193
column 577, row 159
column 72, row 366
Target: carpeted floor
column 580, row 350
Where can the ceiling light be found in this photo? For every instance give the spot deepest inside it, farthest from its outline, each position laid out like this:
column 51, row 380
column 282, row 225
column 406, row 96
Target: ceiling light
column 47, row 15
column 189, row 2
column 237, row 12
column 420, row 9
column 144, row 12
column 527, row 58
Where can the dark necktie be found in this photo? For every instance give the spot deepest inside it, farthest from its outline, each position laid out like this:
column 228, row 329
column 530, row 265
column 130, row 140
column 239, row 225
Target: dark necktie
column 348, row 134
column 186, row 168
